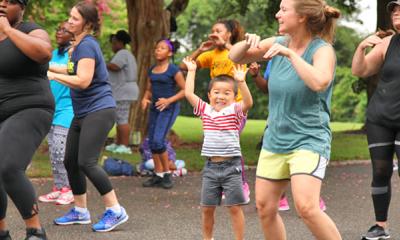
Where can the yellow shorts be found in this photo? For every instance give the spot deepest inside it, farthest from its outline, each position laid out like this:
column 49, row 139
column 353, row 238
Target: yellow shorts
column 278, row 166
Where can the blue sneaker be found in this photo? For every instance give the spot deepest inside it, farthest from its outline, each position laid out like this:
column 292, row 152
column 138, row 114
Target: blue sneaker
column 110, row 220
column 73, row 217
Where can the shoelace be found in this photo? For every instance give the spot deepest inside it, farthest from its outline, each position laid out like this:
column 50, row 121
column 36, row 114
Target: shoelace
column 109, row 217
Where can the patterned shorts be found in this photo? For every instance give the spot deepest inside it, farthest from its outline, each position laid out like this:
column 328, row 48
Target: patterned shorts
column 122, row 110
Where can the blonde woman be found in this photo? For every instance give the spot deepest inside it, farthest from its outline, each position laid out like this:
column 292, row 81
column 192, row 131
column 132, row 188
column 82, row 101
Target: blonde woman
column 297, row 142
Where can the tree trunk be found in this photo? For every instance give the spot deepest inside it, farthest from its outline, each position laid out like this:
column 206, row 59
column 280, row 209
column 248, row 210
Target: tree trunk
column 148, row 22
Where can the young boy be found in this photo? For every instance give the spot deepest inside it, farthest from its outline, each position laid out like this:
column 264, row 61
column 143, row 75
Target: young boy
column 221, row 122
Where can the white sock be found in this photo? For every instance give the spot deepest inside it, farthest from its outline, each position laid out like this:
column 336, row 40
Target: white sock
column 116, row 208
column 81, row 210
column 160, row 174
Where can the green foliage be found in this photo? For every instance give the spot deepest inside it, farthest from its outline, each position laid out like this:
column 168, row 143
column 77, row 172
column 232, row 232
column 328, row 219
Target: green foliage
column 347, row 105
column 346, row 41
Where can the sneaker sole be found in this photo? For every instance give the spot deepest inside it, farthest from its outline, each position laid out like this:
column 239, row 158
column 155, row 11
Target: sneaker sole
column 73, row 223
column 47, row 201
column 284, row 208
column 63, row 203
column 378, row 238
column 116, row 225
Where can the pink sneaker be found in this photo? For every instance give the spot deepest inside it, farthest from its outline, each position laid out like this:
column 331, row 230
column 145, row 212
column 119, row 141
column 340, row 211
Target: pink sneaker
column 283, row 204
column 66, row 197
column 51, row 196
column 322, row 205
column 246, row 192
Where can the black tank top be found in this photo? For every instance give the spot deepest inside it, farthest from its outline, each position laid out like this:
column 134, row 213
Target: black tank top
column 23, row 82
column 384, row 106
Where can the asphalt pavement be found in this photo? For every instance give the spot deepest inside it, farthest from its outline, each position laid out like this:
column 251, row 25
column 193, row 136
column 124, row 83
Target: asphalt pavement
column 157, row 214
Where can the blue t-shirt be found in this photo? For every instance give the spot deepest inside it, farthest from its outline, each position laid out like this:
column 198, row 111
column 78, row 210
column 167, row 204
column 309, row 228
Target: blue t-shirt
column 267, row 70
column 163, row 85
column 64, row 113
column 298, row 116
column 98, row 95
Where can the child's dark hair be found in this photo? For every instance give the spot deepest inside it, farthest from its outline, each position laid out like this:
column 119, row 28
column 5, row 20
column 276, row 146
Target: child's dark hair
column 223, row 78
column 121, row 36
column 234, row 27
column 173, row 45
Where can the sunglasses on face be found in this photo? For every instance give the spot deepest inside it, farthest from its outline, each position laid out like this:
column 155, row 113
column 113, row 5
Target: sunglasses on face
column 11, row 1
column 63, row 30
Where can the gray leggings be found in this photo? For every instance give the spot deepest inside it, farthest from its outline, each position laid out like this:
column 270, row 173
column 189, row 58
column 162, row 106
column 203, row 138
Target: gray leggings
column 57, row 138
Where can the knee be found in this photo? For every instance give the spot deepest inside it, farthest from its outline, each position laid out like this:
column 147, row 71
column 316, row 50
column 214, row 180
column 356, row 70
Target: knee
column 266, row 210
column 234, row 210
column 306, row 209
column 85, row 166
column 208, row 212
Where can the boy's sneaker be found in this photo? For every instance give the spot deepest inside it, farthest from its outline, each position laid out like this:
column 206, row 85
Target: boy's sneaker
column 73, row 217
column 322, row 205
column 66, row 196
column 283, row 204
column 51, row 196
column 166, row 182
column 122, row 149
column 35, row 234
column 111, row 147
column 376, row 232
column 5, row 235
column 246, row 192
column 153, row 181
column 110, row 220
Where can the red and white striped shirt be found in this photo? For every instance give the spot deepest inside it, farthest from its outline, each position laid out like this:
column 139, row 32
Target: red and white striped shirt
column 221, row 129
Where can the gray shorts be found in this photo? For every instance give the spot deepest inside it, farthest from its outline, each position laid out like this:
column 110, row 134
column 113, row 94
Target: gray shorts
column 222, row 177
column 122, row 111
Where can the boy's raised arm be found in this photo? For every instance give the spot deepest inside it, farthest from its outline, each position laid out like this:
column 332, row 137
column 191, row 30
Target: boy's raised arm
column 189, row 85
column 239, row 74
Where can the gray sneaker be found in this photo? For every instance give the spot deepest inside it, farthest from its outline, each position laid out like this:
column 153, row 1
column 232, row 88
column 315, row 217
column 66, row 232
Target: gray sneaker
column 153, row 181
column 167, row 181
column 35, row 234
column 5, row 235
column 376, row 232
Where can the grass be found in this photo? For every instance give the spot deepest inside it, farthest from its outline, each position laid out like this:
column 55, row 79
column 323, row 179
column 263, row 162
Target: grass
column 345, row 146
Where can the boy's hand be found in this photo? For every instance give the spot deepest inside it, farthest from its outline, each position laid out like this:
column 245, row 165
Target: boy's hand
column 254, row 69
column 190, row 63
column 239, row 72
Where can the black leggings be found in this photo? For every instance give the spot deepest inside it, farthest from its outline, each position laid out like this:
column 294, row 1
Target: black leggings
column 383, row 143
column 20, row 136
column 85, row 141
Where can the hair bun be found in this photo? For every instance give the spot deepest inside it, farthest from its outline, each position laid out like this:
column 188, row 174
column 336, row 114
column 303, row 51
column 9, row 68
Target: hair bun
column 331, row 12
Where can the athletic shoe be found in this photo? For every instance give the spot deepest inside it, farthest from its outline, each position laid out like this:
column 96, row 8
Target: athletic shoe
column 110, row 220
column 50, row 197
column 153, row 181
column 73, row 217
column 122, row 149
column 376, row 232
column 246, row 192
column 283, row 204
column 5, row 235
column 322, row 205
column 166, row 182
column 66, row 197
column 111, row 147
column 35, row 234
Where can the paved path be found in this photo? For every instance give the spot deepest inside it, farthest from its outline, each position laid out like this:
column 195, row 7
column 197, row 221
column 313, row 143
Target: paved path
column 159, row 214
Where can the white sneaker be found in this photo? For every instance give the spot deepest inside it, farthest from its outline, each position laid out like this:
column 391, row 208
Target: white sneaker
column 111, row 147
column 122, row 149
column 66, row 197
column 51, row 196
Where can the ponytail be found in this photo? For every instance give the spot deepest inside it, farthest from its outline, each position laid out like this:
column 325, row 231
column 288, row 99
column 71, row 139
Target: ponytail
column 236, row 30
column 321, row 18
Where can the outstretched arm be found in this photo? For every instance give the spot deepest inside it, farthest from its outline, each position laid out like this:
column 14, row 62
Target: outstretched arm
column 239, row 74
column 189, row 85
column 251, row 49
